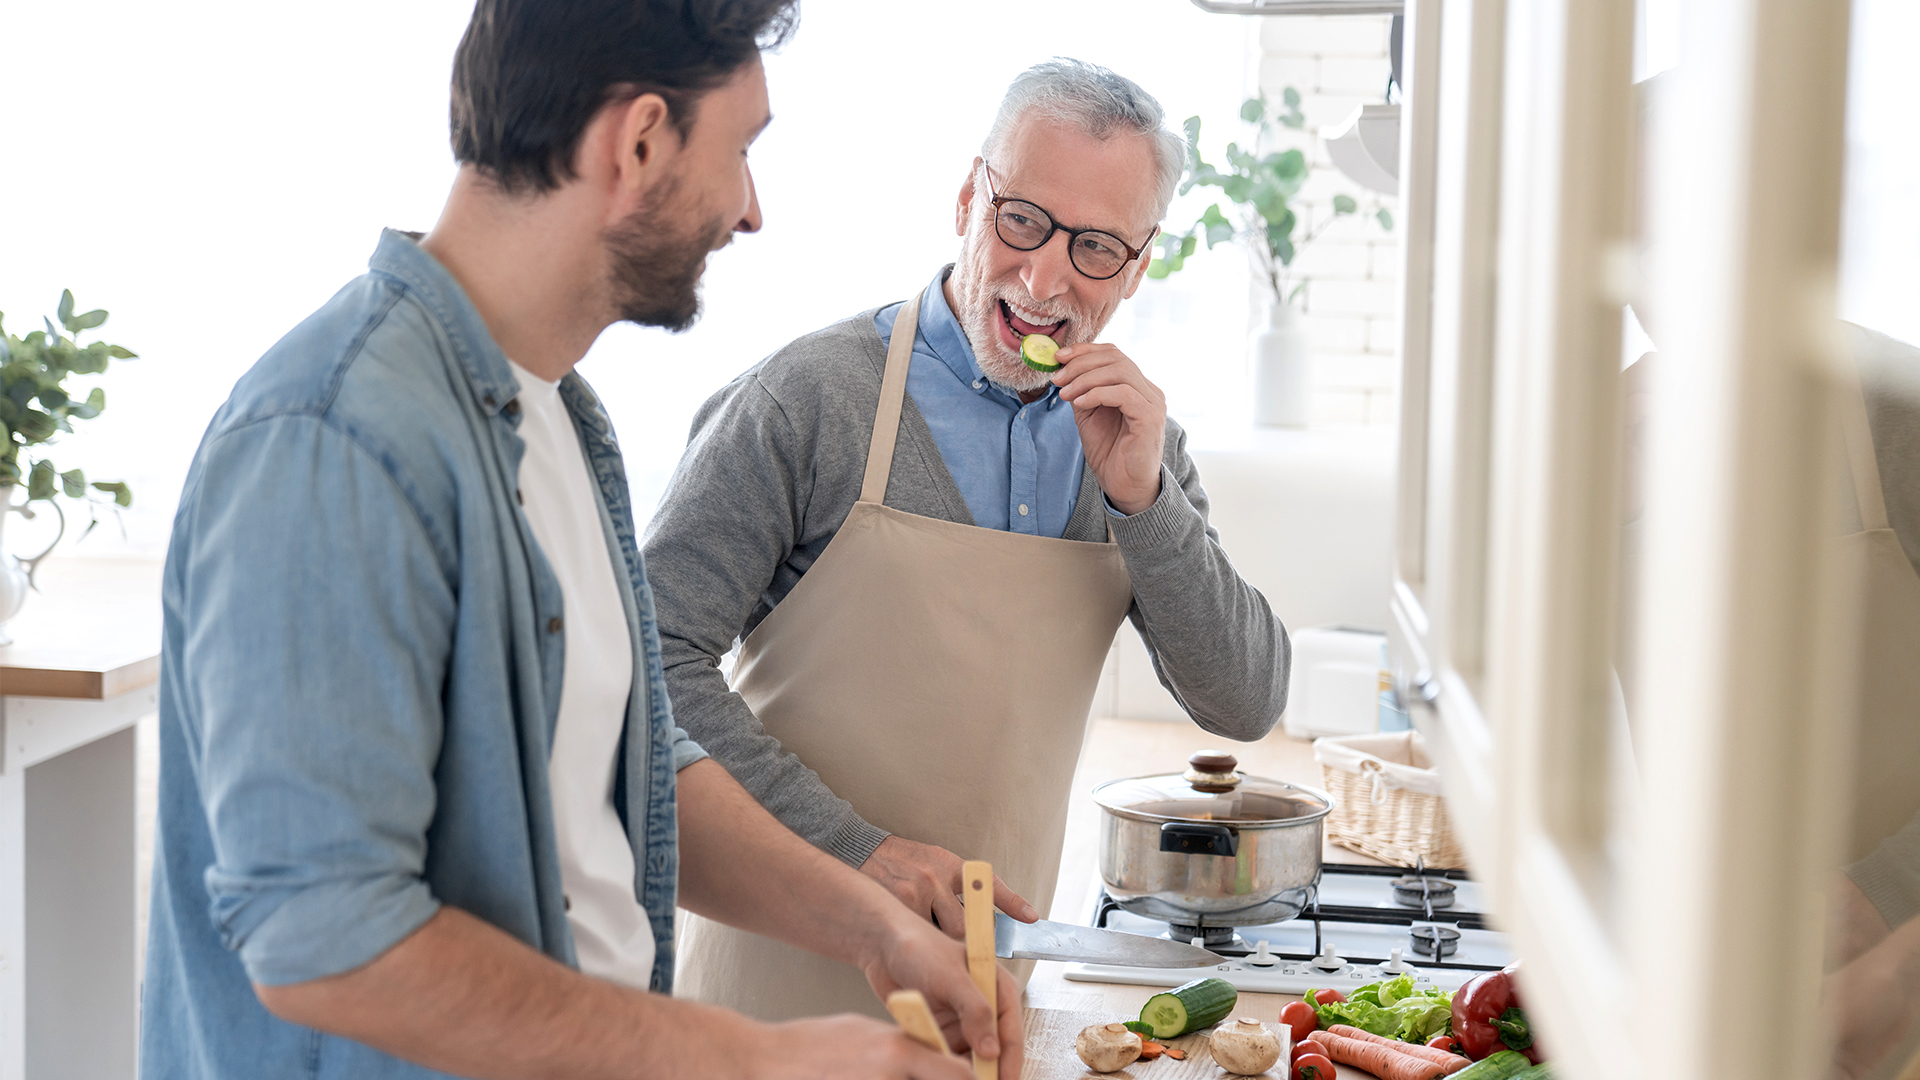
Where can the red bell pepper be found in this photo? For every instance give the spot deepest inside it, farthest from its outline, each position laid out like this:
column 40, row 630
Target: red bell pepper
column 1487, row 1017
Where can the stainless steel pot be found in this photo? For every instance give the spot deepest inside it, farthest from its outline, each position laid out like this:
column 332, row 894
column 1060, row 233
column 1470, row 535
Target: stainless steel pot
column 1210, row 847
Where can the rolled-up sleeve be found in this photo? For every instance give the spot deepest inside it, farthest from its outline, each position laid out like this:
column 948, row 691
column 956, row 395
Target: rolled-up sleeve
column 317, row 606
column 685, row 750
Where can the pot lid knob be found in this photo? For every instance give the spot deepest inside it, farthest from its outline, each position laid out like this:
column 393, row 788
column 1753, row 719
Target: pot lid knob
column 1212, row 770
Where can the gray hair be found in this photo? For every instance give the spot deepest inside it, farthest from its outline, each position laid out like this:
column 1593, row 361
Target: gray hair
column 1098, row 102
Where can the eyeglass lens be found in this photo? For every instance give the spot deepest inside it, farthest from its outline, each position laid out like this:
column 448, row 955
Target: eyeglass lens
column 1025, row 226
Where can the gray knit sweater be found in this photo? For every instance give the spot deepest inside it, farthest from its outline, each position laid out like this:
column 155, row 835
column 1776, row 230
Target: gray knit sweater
column 772, row 468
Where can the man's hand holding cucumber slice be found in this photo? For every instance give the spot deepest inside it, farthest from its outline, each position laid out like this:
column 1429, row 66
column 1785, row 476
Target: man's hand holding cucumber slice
column 1122, row 419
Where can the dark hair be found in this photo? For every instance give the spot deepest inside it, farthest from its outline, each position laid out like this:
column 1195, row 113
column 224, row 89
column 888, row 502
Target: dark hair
column 531, row 74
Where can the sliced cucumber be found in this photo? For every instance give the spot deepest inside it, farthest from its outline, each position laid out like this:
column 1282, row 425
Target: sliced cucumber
column 1191, row 1007
column 1037, row 350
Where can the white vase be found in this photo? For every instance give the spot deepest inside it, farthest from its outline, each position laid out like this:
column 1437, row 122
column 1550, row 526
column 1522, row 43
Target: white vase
column 1281, row 357
column 16, row 575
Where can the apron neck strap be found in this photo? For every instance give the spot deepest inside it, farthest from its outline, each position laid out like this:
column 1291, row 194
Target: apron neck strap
column 1860, row 457
column 893, row 392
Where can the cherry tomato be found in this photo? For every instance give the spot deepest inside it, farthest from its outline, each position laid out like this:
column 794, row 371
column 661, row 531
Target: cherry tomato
column 1328, row 997
column 1314, row 1067
column 1299, row 1016
column 1449, row 1043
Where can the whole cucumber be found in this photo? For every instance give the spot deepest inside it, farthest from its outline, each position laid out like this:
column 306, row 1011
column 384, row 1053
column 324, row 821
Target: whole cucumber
column 1501, row 1066
column 1538, row 1072
column 1189, row 1007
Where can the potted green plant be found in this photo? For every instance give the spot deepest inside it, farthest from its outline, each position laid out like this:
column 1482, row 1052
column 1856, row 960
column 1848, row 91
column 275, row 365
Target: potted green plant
column 36, row 405
column 1263, row 184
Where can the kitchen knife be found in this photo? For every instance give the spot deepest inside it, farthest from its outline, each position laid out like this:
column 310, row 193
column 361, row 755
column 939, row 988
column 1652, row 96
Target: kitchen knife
column 1046, row 940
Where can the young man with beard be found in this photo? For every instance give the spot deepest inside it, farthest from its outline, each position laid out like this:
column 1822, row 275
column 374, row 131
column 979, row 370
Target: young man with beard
column 927, row 546
column 422, row 798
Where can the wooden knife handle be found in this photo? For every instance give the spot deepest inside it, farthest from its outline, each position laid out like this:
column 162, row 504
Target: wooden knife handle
column 909, row 1009
column 976, row 884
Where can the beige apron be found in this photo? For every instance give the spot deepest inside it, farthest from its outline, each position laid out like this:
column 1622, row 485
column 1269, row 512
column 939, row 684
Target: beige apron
column 1887, row 760
column 938, row 677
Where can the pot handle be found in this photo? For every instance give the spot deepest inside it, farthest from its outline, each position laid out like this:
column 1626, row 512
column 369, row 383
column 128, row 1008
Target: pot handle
column 1199, row 838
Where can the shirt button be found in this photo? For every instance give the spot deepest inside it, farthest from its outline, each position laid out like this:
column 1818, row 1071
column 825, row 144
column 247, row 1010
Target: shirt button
column 554, row 624
column 976, row 384
column 1023, row 509
column 566, row 901
column 518, row 497
column 511, row 408
column 487, row 401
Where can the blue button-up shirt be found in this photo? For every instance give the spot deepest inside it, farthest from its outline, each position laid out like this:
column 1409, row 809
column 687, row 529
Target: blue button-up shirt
column 360, row 677
column 1018, row 465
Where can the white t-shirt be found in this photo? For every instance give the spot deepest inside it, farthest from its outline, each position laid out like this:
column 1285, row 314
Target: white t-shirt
column 611, row 935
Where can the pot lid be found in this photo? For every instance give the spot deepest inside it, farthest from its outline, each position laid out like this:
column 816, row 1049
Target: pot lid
column 1212, row 789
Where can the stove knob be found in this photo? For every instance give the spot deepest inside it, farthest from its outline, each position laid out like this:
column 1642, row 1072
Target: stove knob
column 1395, row 965
column 1329, row 959
column 1262, row 956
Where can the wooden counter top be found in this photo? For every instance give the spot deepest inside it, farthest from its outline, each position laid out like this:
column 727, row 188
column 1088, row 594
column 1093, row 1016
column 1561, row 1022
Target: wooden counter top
column 92, row 631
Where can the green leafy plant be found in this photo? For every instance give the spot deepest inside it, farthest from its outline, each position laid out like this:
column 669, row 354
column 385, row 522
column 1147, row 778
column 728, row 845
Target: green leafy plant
column 35, row 404
column 1263, row 186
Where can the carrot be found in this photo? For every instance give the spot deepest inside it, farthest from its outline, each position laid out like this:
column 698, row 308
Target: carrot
column 1176, row 1053
column 1453, row 1063
column 1377, row 1058
column 1150, row 1049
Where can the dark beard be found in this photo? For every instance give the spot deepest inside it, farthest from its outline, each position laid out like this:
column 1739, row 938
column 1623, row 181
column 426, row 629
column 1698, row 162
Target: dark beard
column 656, row 269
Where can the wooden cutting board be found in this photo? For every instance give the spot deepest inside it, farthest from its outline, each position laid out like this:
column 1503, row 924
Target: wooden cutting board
column 1050, row 1056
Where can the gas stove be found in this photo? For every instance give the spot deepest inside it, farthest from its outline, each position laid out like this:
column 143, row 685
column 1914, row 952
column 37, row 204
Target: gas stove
column 1364, row 924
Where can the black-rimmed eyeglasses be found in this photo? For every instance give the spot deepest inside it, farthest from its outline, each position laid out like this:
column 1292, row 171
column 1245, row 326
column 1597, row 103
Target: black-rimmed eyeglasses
column 1023, row 226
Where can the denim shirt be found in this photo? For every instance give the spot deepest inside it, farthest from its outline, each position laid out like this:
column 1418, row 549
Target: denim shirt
column 360, row 677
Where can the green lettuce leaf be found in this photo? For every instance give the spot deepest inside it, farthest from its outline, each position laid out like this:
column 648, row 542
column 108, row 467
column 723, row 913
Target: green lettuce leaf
column 1393, row 1009
column 1394, row 990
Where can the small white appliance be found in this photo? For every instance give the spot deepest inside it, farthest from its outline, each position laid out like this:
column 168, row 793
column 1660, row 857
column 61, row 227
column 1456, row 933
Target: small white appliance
column 1335, row 687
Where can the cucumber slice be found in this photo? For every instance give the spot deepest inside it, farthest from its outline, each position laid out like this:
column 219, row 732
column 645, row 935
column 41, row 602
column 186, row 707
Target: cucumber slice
column 1037, row 350
column 1191, row 1007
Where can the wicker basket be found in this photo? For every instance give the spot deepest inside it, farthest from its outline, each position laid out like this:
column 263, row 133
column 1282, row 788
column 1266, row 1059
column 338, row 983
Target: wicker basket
column 1388, row 800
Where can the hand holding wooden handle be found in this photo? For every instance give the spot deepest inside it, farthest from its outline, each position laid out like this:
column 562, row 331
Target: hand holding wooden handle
column 910, row 1011
column 976, row 885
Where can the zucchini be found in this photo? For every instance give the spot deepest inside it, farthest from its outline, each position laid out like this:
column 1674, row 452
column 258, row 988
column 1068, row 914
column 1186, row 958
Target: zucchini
column 1501, row 1066
column 1191, row 1007
column 1037, row 350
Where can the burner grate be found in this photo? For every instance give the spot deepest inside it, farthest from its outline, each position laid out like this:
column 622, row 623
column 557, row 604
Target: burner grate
column 1439, row 929
column 1435, row 941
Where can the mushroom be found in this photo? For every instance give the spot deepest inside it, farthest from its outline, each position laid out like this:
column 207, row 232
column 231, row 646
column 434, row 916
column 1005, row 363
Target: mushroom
column 1244, row 1046
column 1107, row 1047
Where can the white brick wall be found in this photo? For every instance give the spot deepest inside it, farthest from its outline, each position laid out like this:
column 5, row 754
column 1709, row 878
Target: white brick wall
column 1337, row 64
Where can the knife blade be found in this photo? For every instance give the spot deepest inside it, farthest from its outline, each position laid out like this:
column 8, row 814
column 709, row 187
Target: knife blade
column 1045, row 940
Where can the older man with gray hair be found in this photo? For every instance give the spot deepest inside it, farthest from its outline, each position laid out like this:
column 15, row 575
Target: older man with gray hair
column 924, row 546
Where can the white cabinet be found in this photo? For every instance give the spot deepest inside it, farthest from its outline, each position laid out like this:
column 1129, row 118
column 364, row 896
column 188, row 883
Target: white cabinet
column 1666, row 890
